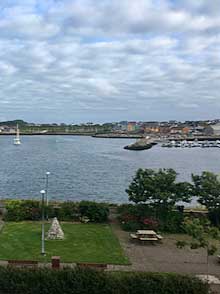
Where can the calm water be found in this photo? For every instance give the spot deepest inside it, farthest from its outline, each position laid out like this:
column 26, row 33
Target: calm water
column 88, row 168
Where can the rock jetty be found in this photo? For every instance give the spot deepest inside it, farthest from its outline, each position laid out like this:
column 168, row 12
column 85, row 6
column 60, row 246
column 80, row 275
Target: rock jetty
column 141, row 144
column 118, row 136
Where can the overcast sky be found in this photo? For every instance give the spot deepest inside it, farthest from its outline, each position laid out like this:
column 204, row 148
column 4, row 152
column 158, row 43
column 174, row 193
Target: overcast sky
column 109, row 60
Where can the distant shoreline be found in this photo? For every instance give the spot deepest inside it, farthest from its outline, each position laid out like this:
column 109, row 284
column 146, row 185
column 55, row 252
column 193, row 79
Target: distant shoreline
column 94, row 135
column 48, row 134
column 110, row 136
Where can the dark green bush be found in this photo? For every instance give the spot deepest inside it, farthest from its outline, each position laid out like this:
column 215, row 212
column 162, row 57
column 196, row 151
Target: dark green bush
column 96, row 212
column 144, row 216
column 67, row 211
column 78, row 281
column 19, row 210
column 131, row 226
column 214, row 217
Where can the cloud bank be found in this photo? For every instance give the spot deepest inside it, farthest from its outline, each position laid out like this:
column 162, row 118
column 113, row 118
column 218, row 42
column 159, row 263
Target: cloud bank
column 82, row 60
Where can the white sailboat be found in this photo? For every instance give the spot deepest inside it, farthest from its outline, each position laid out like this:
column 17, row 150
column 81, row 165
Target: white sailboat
column 17, row 140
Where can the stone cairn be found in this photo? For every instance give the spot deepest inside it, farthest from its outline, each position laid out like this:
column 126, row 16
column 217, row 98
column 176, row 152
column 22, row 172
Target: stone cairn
column 55, row 232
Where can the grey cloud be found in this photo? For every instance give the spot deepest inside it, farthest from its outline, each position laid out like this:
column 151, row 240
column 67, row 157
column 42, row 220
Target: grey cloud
column 81, row 60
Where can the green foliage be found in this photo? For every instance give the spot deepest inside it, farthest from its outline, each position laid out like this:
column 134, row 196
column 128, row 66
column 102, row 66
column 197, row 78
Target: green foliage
column 214, row 216
column 80, row 281
column 66, row 211
column 133, row 217
column 131, row 226
column 158, row 187
column 212, row 249
column 207, row 189
column 96, row 212
column 202, row 234
column 194, row 228
column 181, row 244
column 19, row 210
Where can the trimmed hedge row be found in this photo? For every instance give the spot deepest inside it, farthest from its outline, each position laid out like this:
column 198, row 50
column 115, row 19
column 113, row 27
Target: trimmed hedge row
column 19, row 210
column 79, row 281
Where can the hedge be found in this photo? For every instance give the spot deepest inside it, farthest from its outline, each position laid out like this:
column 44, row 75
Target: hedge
column 19, row 210
column 96, row 212
column 85, row 281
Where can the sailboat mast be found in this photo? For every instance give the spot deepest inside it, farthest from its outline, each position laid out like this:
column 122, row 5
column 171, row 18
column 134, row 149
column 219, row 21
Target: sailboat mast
column 17, row 137
column 17, row 132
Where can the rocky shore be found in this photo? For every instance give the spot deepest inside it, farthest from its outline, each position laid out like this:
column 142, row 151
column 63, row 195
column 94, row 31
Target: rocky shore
column 141, row 144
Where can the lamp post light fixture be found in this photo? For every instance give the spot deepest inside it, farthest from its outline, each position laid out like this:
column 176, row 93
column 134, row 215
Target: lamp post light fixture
column 42, row 218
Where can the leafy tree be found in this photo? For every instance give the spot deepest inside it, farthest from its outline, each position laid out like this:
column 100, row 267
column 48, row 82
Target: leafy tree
column 203, row 236
column 207, row 189
column 159, row 188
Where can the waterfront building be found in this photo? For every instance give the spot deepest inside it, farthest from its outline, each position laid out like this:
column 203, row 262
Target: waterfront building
column 212, row 130
column 151, row 127
column 131, row 127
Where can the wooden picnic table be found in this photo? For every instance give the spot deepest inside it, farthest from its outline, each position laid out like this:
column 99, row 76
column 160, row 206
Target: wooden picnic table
column 146, row 235
column 146, row 232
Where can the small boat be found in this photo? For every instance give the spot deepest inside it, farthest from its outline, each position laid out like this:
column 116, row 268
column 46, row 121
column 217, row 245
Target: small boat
column 178, row 144
column 195, row 143
column 205, row 144
column 184, row 144
column 17, row 140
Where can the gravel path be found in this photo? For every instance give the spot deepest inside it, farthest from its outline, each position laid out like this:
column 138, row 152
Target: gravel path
column 165, row 257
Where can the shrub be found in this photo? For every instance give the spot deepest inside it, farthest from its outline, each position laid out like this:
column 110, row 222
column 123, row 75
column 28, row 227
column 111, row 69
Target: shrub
column 144, row 216
column 96, row 212
column 79, row 281
column 171, row 221
column 67, row 211
column 19, row 210
column 131, row 226
column 150, row 223
column 214, row 217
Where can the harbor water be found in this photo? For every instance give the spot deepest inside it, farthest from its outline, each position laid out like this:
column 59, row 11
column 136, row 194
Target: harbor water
column 86, row 168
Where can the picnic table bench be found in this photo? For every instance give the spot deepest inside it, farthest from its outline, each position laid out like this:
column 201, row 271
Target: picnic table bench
column 148, row 239
column 23, row 263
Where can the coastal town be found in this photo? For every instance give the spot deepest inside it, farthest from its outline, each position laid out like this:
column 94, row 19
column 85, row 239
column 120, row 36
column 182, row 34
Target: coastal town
column 165, row 129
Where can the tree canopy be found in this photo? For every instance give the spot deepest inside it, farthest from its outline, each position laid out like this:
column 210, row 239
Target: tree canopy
column 158, row 187
column 207, row 189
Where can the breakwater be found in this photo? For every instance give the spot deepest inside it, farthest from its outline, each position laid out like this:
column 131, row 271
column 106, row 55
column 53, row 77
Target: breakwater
column 141, row 144
column 118, row 136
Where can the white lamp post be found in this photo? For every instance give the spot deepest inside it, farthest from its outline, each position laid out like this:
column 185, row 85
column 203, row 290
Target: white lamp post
column 47, row 177
column 46, row 192
column 43, row 231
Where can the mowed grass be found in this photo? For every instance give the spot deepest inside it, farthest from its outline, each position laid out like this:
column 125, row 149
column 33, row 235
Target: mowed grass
column 95, row 243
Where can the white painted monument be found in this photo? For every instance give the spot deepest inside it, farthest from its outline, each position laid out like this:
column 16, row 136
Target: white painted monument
column 55, row 232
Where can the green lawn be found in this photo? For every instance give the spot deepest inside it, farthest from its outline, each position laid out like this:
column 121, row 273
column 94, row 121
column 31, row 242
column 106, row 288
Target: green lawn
column 83, row 243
